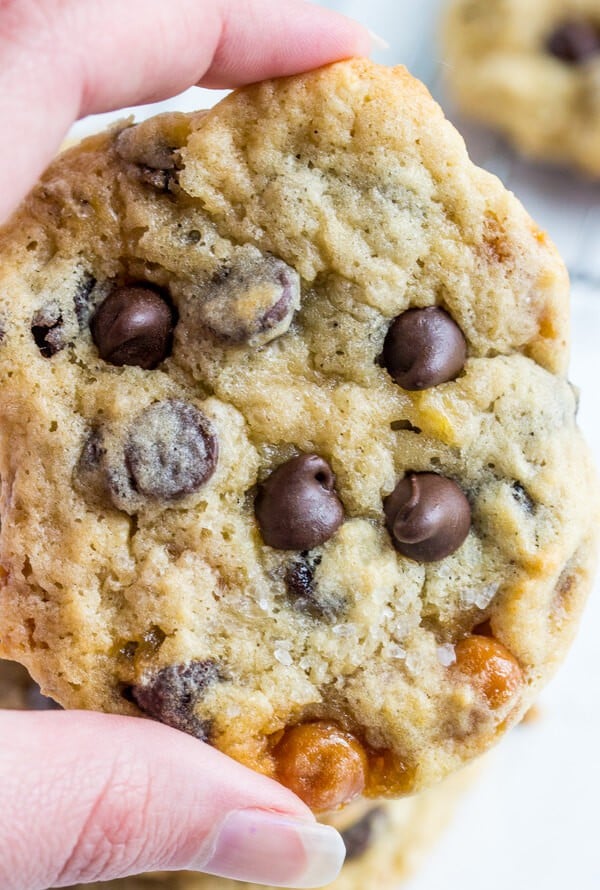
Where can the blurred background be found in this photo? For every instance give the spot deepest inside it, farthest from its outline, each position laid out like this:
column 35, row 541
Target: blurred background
column 532, row 819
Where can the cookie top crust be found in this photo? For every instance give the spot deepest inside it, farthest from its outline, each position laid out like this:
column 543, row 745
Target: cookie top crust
column 234, row 497
column 531, row 72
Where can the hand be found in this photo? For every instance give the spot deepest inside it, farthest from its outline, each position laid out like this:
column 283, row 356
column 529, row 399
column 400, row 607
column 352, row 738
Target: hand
column 90, row 796
column 62, row 59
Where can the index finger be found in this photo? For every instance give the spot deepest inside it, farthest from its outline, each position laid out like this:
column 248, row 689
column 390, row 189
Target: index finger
column 61, row 59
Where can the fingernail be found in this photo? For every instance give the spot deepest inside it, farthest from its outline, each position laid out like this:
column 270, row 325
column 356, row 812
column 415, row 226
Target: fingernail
column 266, row 848
column 377, row 41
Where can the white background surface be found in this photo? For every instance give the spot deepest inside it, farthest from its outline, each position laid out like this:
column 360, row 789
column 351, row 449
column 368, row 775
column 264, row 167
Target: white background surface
column 533, row 819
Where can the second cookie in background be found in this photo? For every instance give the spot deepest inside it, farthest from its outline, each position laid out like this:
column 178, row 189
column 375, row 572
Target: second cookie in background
column 531, row 70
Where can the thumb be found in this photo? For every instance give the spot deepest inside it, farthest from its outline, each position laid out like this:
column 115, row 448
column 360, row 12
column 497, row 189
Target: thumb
column 106, row 797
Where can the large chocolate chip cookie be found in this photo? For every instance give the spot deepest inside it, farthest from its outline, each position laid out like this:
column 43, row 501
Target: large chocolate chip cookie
column 289, row 459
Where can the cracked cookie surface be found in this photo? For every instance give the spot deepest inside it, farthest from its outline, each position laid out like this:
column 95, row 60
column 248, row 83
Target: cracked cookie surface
column 532, row 71
column 262, row 517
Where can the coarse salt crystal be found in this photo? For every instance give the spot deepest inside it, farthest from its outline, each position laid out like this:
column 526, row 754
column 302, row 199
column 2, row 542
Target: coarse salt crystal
column 343, row 630
column 283, row 657
column 486, row 595
column 446, row 654
column 480, row 597
column 397, row 651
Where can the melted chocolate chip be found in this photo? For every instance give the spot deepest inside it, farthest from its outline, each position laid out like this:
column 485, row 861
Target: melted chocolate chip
column 92, row 475
column 171, row 695
column 297, row 507
column 359, row 837
column 169, row 451
column 427, row 516
column 303, row 593
column 81, row 298
column 251, row 302
column 405, row 426
column 299, row 579
column 36, row 701
column 47, row 330
column 522, row 497
column 92, row 453
column 423, row 348
column 161, row 180
column 137, row 147
column 172, row 450
column 133, row 326
column 574, row 41
column 151, row 154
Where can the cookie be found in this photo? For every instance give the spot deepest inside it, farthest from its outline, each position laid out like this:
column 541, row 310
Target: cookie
column 289, row 459
column 385, row 840
column 532, row 71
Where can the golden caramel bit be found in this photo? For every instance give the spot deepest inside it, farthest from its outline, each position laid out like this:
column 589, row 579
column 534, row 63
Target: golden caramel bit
column 325, row 766
column 389, row 776
column 490, row 666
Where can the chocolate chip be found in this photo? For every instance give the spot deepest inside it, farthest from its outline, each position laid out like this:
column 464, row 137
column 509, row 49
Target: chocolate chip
column 423, row 348
column 359, row 837
column 91, row 455
column 405, row 426
column 101, row 473
column 147, row 148
column 299, row 579
column 81, row 298
column 250, row 302
column 36, row 701
column 161, row 180
column 574, row 41
column 427, row 516
column 137, row 146
column 522, row 497
column 47, row 330
column 171, row 695
column 303, row 594
column 297, row 506
column 171, row 451
column 133, row 326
